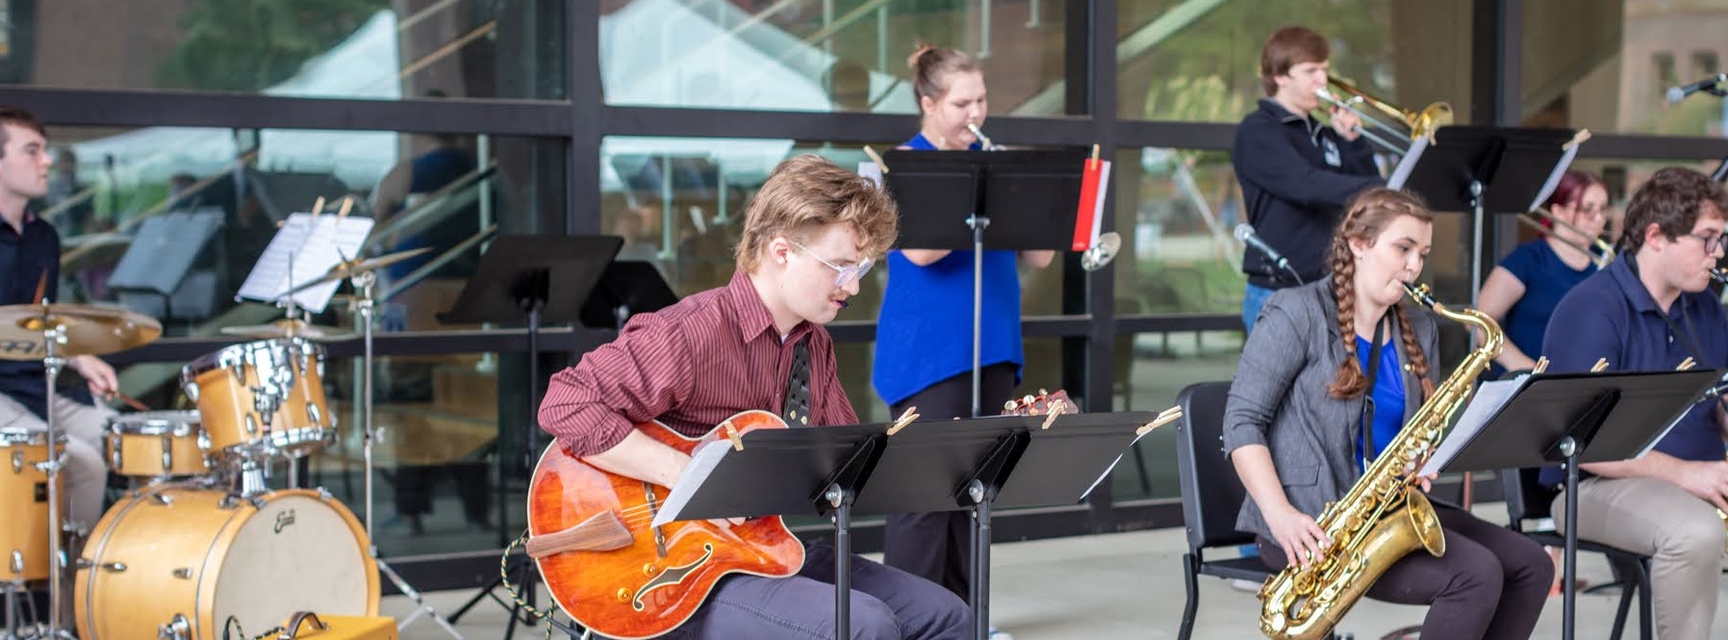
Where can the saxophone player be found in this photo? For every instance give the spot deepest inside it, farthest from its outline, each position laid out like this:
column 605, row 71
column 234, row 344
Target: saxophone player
column 1328, row 378
column 1650, row 310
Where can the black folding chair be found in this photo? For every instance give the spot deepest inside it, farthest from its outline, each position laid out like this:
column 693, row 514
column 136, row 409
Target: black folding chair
column 1528, row 502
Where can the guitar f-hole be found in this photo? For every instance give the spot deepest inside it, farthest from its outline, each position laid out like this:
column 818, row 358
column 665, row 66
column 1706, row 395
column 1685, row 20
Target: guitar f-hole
column 654, row 510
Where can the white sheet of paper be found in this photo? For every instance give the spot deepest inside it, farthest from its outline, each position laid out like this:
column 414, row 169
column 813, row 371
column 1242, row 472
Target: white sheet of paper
column 1407, row 164
column 1554, row 178
column 311, row 246
column 1112, row 466
column 1489, row 399
column 707, row 457
column 872, row 171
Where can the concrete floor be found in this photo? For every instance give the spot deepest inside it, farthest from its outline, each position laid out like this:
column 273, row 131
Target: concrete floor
column 1125, row 585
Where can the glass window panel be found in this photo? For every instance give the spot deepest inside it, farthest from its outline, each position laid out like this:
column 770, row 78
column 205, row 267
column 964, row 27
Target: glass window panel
column 1606, row 66
column 1200, row 61
column 368, row 49
column 1152, row 368
column 688, row 224
column 112, row 187
column 1175, row 211
column 844, row 55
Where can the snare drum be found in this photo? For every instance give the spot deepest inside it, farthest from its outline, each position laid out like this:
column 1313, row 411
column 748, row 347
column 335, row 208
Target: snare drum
column 174, row 560
column 24, row 500
column 157, row 444
column 262, row 399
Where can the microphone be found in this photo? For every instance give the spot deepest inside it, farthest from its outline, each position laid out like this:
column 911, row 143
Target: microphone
column 1676, row 94
column 1245, row 234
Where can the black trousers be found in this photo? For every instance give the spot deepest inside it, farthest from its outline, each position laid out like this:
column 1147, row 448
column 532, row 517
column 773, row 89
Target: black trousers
column 938, row 546
column 1490, row 584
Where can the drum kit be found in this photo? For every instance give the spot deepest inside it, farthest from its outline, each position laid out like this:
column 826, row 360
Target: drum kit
column 201, row 546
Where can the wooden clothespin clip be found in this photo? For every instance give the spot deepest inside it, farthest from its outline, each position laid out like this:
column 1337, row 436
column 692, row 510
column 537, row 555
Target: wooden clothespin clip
column 1056, row 408
column 317, row 206
column 904, row 419
column 1094, row 153
column 347, row 204
column 1165, row 417
column 1577, row 139
column 1541, row 365
column 1601, row 363
column 876, row 158
column 732, row 434
column 1685, row 364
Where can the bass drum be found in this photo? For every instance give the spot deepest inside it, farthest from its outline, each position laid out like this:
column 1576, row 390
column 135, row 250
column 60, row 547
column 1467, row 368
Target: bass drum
column 179, row 561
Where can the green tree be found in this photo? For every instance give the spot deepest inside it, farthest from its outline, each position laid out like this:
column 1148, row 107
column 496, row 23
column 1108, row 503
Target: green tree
column 247, row 45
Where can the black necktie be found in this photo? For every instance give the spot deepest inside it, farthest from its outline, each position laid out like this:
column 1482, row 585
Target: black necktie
column 796, row 410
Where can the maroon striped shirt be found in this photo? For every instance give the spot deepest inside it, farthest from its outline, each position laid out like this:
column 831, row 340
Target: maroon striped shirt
column 691, row 366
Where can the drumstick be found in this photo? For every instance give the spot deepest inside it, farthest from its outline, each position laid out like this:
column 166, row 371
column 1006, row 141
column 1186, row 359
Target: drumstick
column 131, row 402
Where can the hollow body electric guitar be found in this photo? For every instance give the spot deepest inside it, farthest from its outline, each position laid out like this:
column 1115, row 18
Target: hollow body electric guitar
column 616, row 575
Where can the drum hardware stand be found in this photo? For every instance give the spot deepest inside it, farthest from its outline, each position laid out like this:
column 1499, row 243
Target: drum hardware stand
column 363, row 283
column 14, row 593
column 53, row 334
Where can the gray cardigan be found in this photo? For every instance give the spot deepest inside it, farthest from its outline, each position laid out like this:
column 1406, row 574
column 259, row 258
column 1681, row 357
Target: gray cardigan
column 1279, row 397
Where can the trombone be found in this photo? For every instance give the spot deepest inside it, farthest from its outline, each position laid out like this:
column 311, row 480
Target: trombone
column 1599, row 250
column 1393, row 138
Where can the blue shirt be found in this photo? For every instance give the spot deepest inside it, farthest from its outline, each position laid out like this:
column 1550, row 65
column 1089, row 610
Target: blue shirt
column 1611, row 315
column 924, row 331
column 1387, row 396
column 1546, row 279
column 24, row 259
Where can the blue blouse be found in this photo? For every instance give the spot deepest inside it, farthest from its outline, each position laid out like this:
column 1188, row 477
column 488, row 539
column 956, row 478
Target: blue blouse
column 1387, row 396
column 924, row 331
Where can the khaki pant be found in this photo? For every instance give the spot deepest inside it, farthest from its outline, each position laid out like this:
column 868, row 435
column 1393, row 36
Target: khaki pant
column 86, row 472
column 1681, row 533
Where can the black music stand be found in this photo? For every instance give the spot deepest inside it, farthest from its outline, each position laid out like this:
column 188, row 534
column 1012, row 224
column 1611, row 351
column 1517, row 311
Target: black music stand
column 820, row 471
column 944, row 465
column 1574, row 418
column 948, row 198
column 628, row 287
column 536, row 279
column 1481, row 170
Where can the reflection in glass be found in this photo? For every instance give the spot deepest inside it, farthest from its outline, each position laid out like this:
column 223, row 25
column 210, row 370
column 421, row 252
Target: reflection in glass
column 1175, row 211
column 1151, row 368
column 369, row 49
column 809, row 56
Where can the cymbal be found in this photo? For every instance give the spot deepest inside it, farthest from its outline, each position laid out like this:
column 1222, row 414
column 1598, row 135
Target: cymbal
column 90, row 330
column 289, row 329
column 349, row 268
column 1101, row 253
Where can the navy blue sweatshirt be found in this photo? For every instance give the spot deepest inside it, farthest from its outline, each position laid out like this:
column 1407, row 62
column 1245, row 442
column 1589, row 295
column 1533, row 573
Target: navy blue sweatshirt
column 1296, row 177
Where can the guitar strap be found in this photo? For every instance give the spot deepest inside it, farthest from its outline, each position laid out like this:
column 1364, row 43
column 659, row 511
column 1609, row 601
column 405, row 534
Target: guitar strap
column 796, row 409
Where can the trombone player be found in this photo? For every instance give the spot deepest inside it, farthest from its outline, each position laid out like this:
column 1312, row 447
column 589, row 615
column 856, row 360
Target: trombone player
column 1522, row 291
column 1296, row 173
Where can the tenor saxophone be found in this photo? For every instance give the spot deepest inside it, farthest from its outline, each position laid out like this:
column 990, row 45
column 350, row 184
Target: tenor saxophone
column 1384, row 516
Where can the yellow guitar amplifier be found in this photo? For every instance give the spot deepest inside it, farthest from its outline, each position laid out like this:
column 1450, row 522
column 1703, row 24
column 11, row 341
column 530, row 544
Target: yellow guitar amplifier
column 310, row 626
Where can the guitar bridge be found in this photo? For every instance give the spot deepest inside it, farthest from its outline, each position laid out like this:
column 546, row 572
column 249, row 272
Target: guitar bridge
column 654, row 510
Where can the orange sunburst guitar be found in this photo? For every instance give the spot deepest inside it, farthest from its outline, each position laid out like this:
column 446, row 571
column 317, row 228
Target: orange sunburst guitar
column 612, row 572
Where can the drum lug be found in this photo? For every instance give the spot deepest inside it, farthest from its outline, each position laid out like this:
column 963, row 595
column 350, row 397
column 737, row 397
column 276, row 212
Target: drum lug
column 251, row 424
column 163, row 498
column 191, row 390
column 17, row 462
column 183, row 573
column 314, row 416
column 167, row 453
column 114, row 567
column 17, row 561
column 118, row 453
column 324, row 494
column 177, row 629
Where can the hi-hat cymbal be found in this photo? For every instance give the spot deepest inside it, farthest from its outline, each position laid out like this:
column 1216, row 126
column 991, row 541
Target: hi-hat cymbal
column 1101, row 252
column 90, row 330
column 289, row 329
column 349, row 268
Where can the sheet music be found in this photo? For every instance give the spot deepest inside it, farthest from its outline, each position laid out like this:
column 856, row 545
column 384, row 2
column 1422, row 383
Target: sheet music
column 1407, row 164
column 1112, row 466
column 1554, row 178
column 1490, row 398
column 703, row 463
column 310, row 246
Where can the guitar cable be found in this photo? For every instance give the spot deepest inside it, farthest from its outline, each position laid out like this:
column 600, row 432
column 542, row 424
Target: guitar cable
column 516, row 596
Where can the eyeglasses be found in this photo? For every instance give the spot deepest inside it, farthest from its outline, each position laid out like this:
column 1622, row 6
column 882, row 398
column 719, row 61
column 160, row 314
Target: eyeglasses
column 846, row 275
column 1712, row 243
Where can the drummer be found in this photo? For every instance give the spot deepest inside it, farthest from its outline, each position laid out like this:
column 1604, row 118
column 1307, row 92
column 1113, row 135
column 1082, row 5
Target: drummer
column 30, row 254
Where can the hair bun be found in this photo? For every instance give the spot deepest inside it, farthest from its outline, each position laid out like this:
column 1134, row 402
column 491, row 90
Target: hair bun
column 912, row 60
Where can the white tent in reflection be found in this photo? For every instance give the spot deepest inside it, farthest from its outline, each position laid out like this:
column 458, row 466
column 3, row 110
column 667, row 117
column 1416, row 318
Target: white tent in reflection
column 362, row 66
column 711, row 54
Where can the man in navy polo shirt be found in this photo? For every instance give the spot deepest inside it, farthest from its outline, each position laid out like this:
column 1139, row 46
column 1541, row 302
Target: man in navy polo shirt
column 29, row 254
column 1650, row 311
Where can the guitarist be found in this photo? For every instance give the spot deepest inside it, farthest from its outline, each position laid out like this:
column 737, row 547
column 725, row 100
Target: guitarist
column 810, row 235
